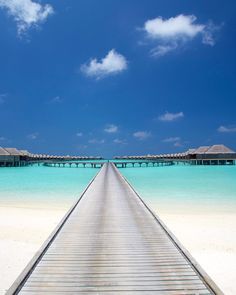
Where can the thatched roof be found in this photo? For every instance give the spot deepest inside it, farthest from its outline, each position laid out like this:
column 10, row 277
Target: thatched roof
column 25, row 153
column 3, row 152
column 190, row 151
column 13, row 151
column 201, row 150
column 219, row 149
column 215, row 149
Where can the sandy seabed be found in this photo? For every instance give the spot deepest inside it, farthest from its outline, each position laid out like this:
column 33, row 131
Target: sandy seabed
column 210, row 238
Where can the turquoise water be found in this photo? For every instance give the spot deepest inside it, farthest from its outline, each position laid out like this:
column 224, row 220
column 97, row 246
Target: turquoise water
column 43, row 184
column 172, row 187
column 179, row 187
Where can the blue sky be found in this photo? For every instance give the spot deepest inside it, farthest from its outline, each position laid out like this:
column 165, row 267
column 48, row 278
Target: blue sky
column 117, row 77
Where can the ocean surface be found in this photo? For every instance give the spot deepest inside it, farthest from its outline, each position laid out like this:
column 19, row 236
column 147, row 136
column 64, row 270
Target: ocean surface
column 31, row 185
column 171, row 188
column 181, row 188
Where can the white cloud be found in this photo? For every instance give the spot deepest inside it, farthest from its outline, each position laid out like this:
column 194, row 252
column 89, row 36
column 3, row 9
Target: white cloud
column 175, row 140
column 79, row 134
column 161, row 50
column 171, row 139
column 26, row 13
column 119, row 141
column 224, row 129
column 174, row 27
column 142, row 135
column 170, row 34
column 56, row 99
column 96, row 141
column 33, row 136
column 208, row 34
column 112, row 63
column 178, row 144
column 2, row 138
column 169, row 117
column 111, row 128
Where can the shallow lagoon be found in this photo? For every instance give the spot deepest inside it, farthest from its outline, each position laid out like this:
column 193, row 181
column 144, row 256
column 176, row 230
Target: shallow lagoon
column 168, row 186
column 177, row 187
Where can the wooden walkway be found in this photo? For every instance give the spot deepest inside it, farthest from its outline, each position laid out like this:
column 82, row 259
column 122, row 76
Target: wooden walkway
column 111, row 243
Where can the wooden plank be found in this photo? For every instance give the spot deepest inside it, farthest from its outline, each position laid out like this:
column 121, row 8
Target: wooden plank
column 118, row 282
column 117, row 272
column 121, row 283
column 97, row 289
column 157, row 292
column 140, row 278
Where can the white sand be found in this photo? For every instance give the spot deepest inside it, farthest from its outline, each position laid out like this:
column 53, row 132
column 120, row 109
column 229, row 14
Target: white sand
column 22, row 232
column 211, row 239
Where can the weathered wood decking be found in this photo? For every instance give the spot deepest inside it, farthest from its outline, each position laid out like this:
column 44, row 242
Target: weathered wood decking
column 111, row 243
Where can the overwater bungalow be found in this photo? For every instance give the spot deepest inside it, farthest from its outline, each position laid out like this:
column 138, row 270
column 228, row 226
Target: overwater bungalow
column 203, row 155
column 5, row 157
column 213, row 155
column 12, row 157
